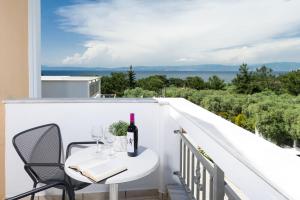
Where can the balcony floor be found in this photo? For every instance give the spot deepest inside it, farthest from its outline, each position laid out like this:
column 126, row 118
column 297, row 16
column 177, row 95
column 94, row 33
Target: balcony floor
column 130, row 195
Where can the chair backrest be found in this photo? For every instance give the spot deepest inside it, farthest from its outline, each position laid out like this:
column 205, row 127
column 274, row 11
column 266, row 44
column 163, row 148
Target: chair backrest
column 40, row 144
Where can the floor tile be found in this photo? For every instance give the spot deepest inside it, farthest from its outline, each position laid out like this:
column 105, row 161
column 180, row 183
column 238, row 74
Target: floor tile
column 95, row 196
column 142, row 193
column 28, row 198
column 52, row 197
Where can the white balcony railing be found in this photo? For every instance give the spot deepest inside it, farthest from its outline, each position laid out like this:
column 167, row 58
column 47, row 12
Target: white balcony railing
column 255, row 168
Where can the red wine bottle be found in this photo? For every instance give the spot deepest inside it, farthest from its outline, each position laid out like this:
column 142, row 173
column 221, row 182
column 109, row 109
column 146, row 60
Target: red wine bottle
column 132, row 138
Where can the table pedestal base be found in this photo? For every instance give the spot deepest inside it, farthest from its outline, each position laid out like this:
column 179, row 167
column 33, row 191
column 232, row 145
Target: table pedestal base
column 113, row 191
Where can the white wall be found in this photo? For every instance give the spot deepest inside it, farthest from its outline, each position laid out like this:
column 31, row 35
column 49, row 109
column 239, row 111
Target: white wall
column 260, row 169
column 75, row 120
column 65, row 89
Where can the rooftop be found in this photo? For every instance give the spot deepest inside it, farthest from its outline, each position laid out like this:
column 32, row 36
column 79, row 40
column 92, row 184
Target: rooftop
column 69, row 78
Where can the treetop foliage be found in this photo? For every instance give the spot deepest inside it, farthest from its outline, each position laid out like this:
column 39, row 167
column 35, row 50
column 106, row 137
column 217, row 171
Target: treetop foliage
column 131, row 77
column 262, row 79
column 255, row 100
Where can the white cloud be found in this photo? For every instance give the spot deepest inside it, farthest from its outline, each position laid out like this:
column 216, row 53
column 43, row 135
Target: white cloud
column 173, row 32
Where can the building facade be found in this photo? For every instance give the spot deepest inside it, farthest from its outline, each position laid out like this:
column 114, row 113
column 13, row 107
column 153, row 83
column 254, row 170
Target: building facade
column 71, row 87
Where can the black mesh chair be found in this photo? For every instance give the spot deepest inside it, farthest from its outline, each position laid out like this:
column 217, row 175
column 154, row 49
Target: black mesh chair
column 41, row 150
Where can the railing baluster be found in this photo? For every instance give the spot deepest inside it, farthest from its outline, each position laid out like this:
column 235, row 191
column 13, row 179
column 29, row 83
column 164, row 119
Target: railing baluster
column 198, row 179
column 218, row 184
column 207, row 164
column 210, row 187
column 184, row 162
column 203, row 183
column 193, row 174
column 180, row 171
column 188, row 168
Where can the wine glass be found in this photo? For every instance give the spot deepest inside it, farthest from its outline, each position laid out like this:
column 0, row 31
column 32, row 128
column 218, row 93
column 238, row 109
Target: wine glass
column 109, row 138
column 97, row 135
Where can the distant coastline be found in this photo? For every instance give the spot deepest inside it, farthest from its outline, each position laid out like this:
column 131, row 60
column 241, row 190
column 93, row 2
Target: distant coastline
column 225, row 72
column 227, row 76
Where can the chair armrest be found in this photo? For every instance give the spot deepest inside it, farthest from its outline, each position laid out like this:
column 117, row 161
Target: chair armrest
column 74, row 144
column 36, row 190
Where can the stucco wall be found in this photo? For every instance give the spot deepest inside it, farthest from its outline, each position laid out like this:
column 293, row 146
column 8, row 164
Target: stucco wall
column 13, row 62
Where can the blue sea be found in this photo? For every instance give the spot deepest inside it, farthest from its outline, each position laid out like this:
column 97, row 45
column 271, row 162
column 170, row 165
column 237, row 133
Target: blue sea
column 227, row 76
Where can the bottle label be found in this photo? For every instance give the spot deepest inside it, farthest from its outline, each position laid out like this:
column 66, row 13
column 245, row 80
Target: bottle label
column 130, row 142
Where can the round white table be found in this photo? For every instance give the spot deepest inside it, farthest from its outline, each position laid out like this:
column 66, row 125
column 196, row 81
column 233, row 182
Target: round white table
column 137, row 167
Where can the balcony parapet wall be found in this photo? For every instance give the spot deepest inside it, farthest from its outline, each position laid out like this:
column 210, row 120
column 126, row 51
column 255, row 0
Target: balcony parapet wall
column 260, row 169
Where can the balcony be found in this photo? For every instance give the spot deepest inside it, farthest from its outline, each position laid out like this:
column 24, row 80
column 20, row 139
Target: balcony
column 236, row 165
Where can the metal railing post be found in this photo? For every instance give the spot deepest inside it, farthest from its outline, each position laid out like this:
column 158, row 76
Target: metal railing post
column 218, row 184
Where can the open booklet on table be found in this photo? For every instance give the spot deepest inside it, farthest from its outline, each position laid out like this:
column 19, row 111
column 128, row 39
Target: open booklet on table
column 97, row 170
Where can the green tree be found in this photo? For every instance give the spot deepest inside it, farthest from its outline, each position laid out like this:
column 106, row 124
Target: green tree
column 215, row 83
column 152, row 83
column 242, row 80
column 131, row 77
column 177, row 82
column 213, row 103
column 179, row 92
column 107, row 86
column 271, row 125
column 116, row 83
column 163, row 78
column 139, row 93
column 291, row 82
column 264, row 72
column 292, row 123
column 264, row 79
column 195, row 82
column 243, row 122
column 198, row 96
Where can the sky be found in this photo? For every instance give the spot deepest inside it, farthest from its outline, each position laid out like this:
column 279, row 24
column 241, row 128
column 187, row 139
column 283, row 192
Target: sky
column 114, row 33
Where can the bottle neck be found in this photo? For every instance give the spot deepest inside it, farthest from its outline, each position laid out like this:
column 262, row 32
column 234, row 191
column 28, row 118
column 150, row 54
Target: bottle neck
column 132, row 118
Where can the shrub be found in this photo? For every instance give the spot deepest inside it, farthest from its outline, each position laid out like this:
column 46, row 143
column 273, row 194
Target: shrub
column 119, row 128
column 139, row 93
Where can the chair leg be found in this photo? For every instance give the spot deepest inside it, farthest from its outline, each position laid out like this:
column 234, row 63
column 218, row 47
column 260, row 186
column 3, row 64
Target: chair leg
column 63, row 194
column 71, row 193
column 34, row 186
